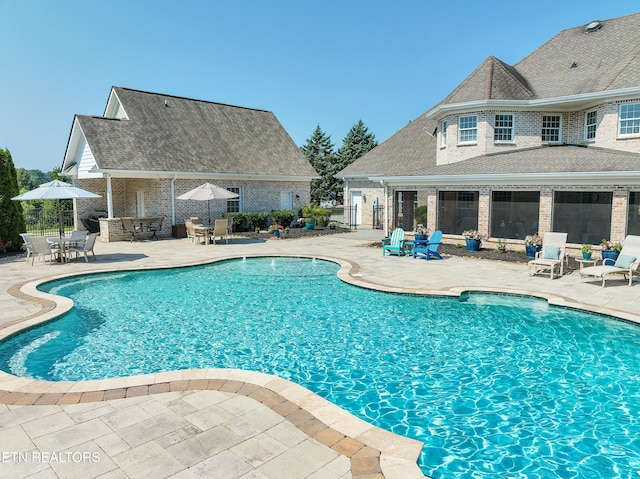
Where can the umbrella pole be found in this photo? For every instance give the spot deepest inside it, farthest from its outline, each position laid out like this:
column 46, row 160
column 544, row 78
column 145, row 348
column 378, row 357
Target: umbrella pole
column 61, row 218
column 209, row 210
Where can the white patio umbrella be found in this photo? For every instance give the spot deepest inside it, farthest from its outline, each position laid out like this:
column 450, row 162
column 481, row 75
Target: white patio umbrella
column 208, row 192
column 56, row 190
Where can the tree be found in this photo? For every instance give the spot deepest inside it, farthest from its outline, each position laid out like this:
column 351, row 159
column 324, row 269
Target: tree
column 357, row 142
column 319, row 151
column 11, row 217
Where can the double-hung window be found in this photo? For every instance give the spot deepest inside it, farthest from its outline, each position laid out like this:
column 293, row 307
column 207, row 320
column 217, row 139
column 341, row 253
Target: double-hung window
column 590, row 124
column 233, row 205
column 443, row 133
column 551, row 127
column 629, row 119
column 503, row 129
column 467, row 129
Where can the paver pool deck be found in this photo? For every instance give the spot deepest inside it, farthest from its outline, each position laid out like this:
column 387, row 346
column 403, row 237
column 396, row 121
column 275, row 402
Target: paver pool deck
column 230, row 423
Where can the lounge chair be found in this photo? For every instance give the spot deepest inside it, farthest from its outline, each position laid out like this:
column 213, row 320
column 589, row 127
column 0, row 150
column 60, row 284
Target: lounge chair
column 130, row 229
column 85, row 247
column 395, row 244
column 41, row 247
column 220, row 230
column 627, row 263
column 550, row 256
column 428, row 249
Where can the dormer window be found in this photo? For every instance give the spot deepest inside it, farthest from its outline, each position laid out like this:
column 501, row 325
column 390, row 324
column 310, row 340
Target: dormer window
column 468, row 129
column 551, row 128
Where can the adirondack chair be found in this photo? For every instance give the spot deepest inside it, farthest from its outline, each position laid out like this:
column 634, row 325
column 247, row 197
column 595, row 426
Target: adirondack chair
column 395, row 244
column 428, row 249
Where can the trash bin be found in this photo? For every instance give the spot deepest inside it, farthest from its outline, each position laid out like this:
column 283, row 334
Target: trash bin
column 179, row 231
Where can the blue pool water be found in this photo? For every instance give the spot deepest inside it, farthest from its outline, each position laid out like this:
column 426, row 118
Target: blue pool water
column 495, row 386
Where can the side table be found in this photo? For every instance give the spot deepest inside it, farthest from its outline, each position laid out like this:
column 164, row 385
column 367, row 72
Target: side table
column 586, row 262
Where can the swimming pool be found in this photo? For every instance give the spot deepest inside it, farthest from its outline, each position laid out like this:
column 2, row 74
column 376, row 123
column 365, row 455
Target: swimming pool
column 495, row 386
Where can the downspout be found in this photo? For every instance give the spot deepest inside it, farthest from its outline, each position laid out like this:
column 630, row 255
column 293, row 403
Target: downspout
column 386, row 209
column 109, row 197
column 173, row 199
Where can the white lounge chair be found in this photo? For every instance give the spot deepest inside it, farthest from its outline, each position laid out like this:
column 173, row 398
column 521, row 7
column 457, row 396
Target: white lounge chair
column 550, row 256
column 625, row 266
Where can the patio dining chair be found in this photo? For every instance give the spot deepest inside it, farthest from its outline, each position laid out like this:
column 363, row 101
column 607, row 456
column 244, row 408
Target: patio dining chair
column 220, row 231
column 85, row 247
column 130, row 229
column 26, row 245
column 41, row 247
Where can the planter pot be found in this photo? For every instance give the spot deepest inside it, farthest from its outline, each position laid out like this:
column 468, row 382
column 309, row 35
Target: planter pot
column 332, row 227
column 473, row 244
column 419, row 237
column 276, row 233
column 310, row 225
column 610, row 254
column 532, row 250
column 586, row 255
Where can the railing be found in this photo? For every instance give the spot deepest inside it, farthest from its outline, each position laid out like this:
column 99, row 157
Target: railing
column 46, row 222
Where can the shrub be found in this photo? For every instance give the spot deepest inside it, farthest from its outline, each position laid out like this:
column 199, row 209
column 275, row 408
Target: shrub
column 282, row 217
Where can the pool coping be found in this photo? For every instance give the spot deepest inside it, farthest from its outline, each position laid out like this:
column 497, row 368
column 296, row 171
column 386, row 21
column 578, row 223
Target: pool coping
column 371, row 450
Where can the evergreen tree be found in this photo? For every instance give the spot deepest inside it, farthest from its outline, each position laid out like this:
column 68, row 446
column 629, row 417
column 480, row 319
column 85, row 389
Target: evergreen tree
column 357, row 142
column 11, row 217
column 319, row 151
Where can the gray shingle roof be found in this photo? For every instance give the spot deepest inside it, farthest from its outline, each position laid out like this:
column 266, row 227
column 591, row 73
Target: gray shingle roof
column 604, row 59
column 410, row 149
column 543, row 159
column 192, row 136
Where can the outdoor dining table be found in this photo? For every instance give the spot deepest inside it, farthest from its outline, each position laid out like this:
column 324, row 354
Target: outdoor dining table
column 206, row 229
column 62, row 243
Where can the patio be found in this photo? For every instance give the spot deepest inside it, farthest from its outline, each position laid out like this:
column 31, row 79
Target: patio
column 238, row 424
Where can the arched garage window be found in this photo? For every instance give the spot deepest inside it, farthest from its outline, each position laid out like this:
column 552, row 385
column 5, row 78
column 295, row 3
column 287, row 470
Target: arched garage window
column 584, row 215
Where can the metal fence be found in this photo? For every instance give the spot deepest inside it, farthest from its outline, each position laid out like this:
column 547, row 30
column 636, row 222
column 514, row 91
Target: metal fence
column 351, row 216
column 46, row 222
column 378, row 217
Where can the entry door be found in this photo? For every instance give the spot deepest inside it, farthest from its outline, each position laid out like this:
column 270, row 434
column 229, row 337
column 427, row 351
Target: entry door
column 286, row 201
column 140, row 213
column 356, row 202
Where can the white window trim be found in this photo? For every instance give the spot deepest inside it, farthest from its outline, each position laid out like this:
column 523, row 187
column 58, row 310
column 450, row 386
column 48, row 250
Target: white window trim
column 512, row 128
column 587, row 125
column 460, row 130
column 625, row 135
column 559, row 140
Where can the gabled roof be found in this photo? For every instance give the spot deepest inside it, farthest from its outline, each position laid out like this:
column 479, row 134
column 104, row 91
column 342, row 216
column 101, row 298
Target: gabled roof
column 577, row 63
column 164, row 133
column 411, row 149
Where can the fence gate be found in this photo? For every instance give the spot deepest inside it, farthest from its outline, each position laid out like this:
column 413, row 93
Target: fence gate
column 378, row 217
column 351, row 216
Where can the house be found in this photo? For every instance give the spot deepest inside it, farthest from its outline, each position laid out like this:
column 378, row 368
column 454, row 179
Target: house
column 149, row 148
column 551, row 143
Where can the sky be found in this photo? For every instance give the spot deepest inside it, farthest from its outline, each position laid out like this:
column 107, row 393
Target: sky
column 324, row 63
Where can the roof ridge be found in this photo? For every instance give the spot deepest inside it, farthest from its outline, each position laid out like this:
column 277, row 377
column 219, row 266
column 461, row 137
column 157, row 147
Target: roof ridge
column 177, row 97
column 623, row 65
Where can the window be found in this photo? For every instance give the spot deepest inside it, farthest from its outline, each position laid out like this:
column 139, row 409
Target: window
column 467, row 129
column 590, row 123
column 503, row 130
column 584, row 215
column 630, row 119
column 633, row 216
column 514, row 214
column 457, row 211
column 233, row 205
column 443, row 134
column 551, row 128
